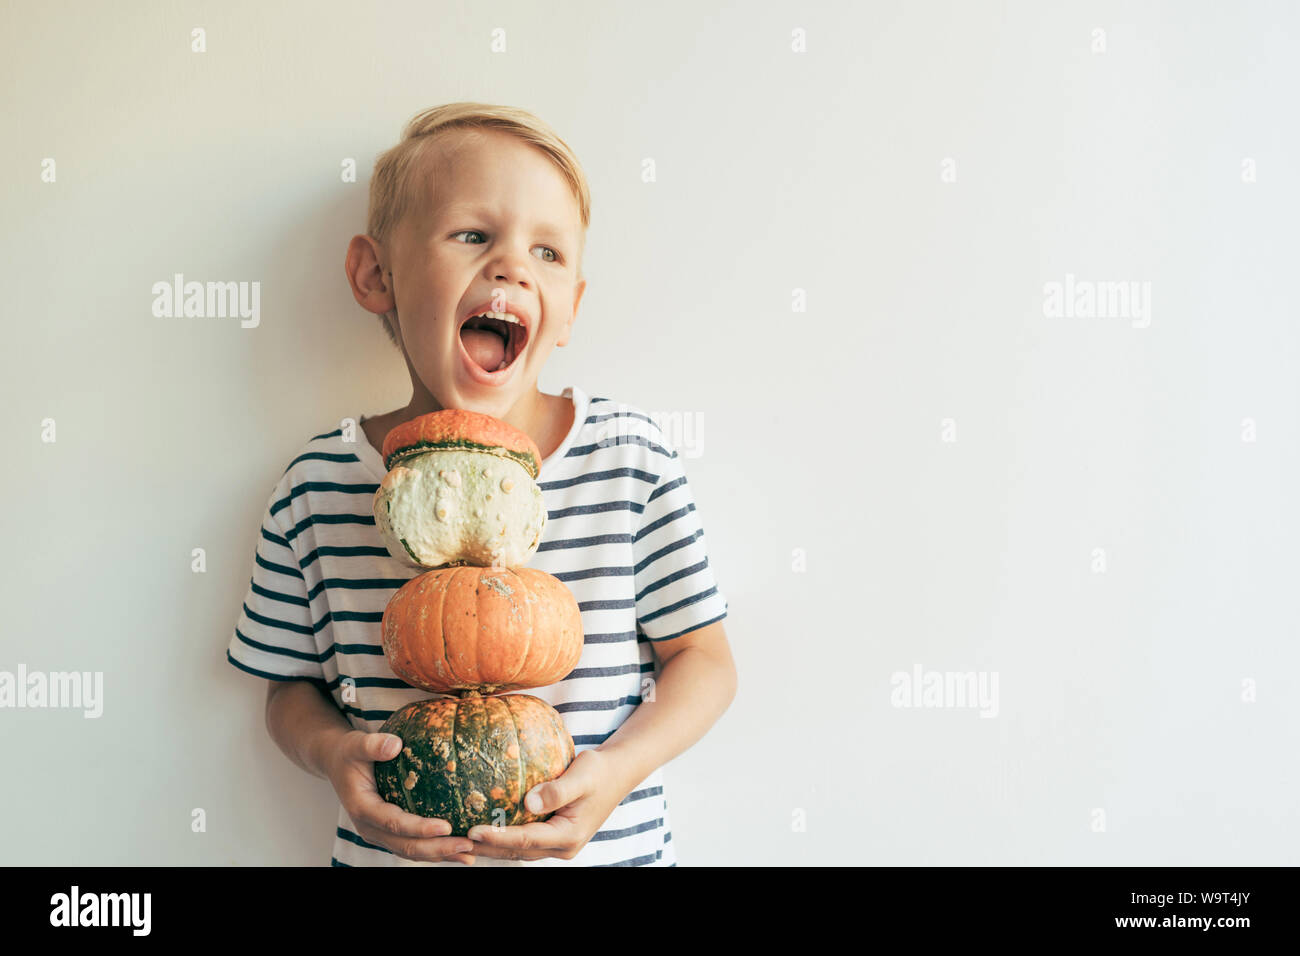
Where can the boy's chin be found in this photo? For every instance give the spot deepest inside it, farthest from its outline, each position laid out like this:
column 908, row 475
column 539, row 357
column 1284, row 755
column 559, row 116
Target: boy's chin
column 490, row 399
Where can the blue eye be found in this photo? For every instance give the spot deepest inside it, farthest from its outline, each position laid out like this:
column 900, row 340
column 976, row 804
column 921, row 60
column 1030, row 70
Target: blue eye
column 555, row 256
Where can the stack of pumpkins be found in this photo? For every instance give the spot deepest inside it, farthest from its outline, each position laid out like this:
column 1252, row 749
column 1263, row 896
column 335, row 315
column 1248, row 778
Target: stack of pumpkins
column 461, row 498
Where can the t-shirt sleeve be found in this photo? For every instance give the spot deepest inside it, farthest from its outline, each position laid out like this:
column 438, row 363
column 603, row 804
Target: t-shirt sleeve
column 675, row 588
column 275, row 636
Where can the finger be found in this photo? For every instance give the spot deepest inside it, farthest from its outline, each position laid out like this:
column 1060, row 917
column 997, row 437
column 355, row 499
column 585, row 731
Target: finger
column 530, row 836
column 499, row 853
column 373, row 810
column 434, row 850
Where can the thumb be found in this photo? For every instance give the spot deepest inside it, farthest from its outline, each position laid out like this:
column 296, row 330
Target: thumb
column 380, row 746
column 546, row 797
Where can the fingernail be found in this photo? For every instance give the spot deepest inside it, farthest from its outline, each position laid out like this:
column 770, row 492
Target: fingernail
column 391, row 745
column 474, row 833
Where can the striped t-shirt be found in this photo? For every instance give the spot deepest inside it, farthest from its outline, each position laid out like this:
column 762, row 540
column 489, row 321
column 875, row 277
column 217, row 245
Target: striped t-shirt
column 622, row 533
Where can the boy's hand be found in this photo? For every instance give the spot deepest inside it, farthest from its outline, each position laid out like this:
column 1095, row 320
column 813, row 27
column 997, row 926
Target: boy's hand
column 350, row 766
column 582, row 797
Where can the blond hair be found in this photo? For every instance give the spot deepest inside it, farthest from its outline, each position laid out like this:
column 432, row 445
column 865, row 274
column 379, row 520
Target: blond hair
column 395, row 185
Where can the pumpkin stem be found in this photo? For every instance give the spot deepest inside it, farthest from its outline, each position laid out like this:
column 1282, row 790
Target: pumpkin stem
column 469, row 694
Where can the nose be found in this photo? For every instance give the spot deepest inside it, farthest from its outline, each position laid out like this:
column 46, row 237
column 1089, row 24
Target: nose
column 509, row 267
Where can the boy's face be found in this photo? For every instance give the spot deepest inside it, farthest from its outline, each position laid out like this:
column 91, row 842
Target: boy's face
column 501, row 231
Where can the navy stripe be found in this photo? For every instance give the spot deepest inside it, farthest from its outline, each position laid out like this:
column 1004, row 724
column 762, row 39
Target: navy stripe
column 564, row 544
column 322, row 456
column 616, row 638
column 276, row 539
column 642, row 794
column 346, row 834
column 599, row 476
column 668, row 549
column 367, row 714
column 270, row 676
column 577, row 451
column 660, row 522
column 373, row 649
column 592, row 573
column 684, row 602
column 365, row 617
column 277, row 596
column 334, row 862
column 364, row 550
column 282, row 651
column 323, row 486
column 627, row 831
column 636, row 861
column 693, row 627
column 364, row 584
column 314, row 519
column 612, row 605
column 675, row 576
column 283, row 625
column 664, row 489
column 592, row 419
column 593, row 509
column 589, row 705
column 278, row 568
column 581, row 672
column 356, row 584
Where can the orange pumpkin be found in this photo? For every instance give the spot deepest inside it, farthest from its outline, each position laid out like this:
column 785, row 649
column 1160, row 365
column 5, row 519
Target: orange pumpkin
column 482, row 629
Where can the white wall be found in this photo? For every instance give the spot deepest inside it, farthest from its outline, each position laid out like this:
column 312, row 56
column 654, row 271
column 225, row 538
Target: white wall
column 1119, row 691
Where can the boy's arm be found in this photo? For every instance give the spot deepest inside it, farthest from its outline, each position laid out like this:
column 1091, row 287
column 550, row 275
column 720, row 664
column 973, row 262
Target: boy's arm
column 315, row 735
column 303, row 724
column 696, row 684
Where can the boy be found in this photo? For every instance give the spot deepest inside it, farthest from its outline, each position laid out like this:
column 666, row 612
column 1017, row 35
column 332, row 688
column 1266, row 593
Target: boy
column 622, row 531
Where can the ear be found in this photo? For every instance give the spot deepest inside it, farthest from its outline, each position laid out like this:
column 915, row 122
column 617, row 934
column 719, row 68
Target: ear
column 578, row 290
column 372, row 285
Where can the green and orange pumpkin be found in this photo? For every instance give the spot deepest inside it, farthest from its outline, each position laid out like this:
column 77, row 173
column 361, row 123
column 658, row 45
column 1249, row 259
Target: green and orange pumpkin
column 482, row 629
column 471, row 760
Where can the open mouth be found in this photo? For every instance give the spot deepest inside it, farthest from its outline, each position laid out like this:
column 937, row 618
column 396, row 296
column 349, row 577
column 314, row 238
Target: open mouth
column 493, row 340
